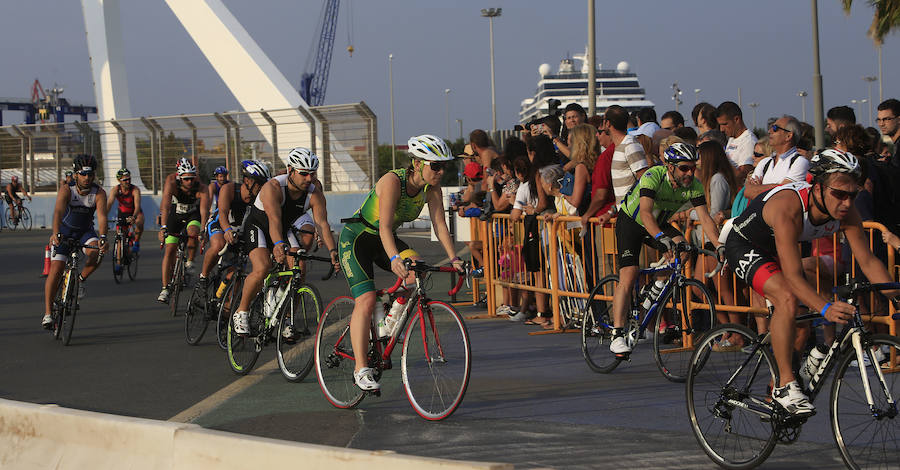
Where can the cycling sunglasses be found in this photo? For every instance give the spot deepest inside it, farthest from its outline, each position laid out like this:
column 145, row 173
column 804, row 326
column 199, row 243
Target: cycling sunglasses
column 843, row 195
column 125, row 180
column 85, row 172
column 437, row 166
column 305, row 173
column 687, row 168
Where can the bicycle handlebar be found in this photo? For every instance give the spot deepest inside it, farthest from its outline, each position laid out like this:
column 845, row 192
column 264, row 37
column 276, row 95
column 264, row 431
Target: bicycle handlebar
column 302, row 254
column 685, row 247
column 421, row 267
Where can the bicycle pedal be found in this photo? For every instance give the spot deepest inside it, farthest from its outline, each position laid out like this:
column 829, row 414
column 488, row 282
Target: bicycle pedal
column 624, row 356
column 376, row 393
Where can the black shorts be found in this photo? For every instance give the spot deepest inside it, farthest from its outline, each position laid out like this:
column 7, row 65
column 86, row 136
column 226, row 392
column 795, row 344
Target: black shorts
column 749, row 263
column 630, row 235
column 175, row 223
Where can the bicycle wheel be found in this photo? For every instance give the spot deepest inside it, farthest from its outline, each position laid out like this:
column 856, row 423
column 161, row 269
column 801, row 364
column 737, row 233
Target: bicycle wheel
column 868, row 438
column 58, row 308
column 670, row 350
column 334, row 355
column 437, row 361
column 226, row 305
column 25, row 218
column 117, row 264
column 195, row 318
column 243, row 350
column 71, row 307
column 176, row 284
column 10, row 222
column 730, row 421
column 597, row 326
column 296, row 328
column 132, row 258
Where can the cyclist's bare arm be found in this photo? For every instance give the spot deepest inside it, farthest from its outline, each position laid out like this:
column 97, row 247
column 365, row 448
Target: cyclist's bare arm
column 270, row 196
column 62, row 200
column 871, row 266
column 226, row 195
column 388, row 191
column 204, row 205
column 211, row 193
column 709, row 226
column 784, row 213
column 646, row 215
column 136, row 193
column 435, row 201
column 320, row 217
column 102, row 215
column 166, row 202
column 110, row 198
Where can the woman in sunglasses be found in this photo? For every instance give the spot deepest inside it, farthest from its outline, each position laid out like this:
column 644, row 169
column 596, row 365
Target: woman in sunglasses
column 370, row 236
column 128, row 197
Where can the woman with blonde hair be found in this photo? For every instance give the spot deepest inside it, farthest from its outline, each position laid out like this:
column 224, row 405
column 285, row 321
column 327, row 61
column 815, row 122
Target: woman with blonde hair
column 584, row 150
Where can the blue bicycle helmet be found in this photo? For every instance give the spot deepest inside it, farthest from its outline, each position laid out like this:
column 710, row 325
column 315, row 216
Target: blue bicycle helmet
column 220, row 170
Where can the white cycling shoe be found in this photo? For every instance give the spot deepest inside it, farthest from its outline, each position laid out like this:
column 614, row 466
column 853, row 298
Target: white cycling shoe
column 619, row 346
column 241, row 321
column 793, row 400
column 365, row 379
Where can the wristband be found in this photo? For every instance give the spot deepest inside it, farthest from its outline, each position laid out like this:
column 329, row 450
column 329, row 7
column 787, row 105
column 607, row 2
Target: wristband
column 656, row 237
column 162, row 226
column 228, row 229
column 456, row 258
column 825, row 309
column 394, row 257
column 333, row 250
column 277, row 243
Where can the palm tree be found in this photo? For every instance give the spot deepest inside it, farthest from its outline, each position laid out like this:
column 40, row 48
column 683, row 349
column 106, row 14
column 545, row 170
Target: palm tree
column 887, row 17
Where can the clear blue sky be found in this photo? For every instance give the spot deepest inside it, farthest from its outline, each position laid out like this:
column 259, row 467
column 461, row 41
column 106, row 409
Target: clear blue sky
column 763, row 47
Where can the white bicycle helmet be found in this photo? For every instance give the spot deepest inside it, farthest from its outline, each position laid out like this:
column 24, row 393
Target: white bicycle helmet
column 834, row 161
column 185, row 166
column 302, row 159
column 256, row 170
column 430, row 148
column 681, row 152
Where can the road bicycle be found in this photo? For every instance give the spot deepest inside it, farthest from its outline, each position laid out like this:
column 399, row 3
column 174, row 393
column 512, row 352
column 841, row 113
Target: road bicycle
column 286, row 311
column 180, row 277
column 213, row 302
column 738, row 424
column 65, row 306
column 436, row 359
column 23, row 216
column 124, row 256
column 681, row 313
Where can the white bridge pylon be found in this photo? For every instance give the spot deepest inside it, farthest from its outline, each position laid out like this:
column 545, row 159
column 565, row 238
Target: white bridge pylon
column 247, row 71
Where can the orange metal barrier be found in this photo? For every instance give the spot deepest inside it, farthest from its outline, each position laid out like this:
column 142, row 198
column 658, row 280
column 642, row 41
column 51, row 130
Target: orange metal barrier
column 571, row 265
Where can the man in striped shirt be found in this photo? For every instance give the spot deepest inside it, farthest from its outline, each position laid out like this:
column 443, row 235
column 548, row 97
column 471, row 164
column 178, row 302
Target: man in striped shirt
column 629, row 161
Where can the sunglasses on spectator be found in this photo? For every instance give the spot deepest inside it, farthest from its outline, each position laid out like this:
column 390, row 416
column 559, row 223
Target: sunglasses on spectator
column 776, row 128
column 437, row 166
column 757, row 154
column 843, row 195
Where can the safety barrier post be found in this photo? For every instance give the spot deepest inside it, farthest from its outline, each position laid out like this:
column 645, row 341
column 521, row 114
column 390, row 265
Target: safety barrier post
column 487, row 254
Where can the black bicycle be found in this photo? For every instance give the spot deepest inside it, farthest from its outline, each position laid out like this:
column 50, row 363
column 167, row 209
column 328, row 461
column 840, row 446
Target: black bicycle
column 207, row 304
column 738, row 424
column 124, row 256
column 179, row 278
column 65, row 306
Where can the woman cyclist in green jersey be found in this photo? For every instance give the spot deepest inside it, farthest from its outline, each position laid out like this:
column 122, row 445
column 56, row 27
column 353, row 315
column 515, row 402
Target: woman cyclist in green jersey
column 370, row 237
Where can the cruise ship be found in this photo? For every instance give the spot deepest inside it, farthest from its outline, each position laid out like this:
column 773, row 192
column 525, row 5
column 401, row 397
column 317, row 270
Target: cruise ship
column 614, row 86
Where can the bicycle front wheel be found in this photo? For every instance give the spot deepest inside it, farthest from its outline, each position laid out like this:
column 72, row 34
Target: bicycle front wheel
column 728, row 394
column 67, row 321
column 334, row 355
column 437, row 361
column 868, row 433
column 684, row 316
column 132, row 258
column 176, row 285
column 244, row 349
column 25, row 218
column 296, row 327
column 117, row 264
column 597, row 327
column 231, row 299
column 195, row 318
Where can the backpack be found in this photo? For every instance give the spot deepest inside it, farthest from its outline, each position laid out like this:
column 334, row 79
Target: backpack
column 885, row 194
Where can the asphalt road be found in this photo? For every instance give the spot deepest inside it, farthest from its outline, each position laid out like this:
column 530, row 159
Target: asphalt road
column 531, row 401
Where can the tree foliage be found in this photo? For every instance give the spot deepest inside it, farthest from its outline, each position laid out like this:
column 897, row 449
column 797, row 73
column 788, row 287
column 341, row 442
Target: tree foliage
column 887, row 17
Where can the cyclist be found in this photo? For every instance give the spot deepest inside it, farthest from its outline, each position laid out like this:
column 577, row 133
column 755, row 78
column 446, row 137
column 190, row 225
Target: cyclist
column 129, row 211
column 370, row 236
column 661, row 192
column 235, row 199
column 185, row 204
column 221, row 179
column 11, row 195
column 281, row 201
column 73, row 217
column 762, row 246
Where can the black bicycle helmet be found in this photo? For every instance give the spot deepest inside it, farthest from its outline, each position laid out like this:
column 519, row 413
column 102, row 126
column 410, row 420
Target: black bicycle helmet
column 84, row 162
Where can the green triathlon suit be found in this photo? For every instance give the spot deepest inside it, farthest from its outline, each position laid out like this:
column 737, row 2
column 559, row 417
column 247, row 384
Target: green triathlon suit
column 360, row 245
column 667, row 200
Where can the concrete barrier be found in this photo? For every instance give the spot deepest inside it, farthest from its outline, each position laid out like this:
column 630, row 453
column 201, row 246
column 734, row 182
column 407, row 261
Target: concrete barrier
column 47, row 436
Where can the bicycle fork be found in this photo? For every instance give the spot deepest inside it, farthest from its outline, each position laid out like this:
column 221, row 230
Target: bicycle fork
column 861, row 355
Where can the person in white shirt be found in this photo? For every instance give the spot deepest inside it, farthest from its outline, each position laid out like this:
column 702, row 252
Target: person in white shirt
column 786, row 166
column 629, row 160
column 646, row 120
column 741, row 140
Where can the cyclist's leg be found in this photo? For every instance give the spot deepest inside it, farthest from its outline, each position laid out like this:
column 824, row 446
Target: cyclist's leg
column 307, row 229
column 92, row 259
column 216, row 243
column 262, row 264
column 138, row 226
column 193, row 231
column 174, row 225
column 51, row 284
column 629, row 240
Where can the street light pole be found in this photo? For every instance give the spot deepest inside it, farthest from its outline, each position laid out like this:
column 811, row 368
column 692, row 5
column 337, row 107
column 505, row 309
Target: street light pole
column 592, row 61
column 676, row 95
column 754, row 106
column 803, row 96
column 459, row 121
column 490, row 14
column 818, row 99
column 869, row 81
column 391, row 81
column 697, row 96
column 447, row 102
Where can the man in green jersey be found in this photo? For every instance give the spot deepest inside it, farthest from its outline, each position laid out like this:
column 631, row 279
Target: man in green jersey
column 661, row 192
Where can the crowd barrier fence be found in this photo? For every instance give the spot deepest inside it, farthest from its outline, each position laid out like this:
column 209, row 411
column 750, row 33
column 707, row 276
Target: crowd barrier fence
column 571, row 264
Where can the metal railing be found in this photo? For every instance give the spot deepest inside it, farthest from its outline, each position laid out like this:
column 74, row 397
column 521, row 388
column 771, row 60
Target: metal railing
column 345, row 138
